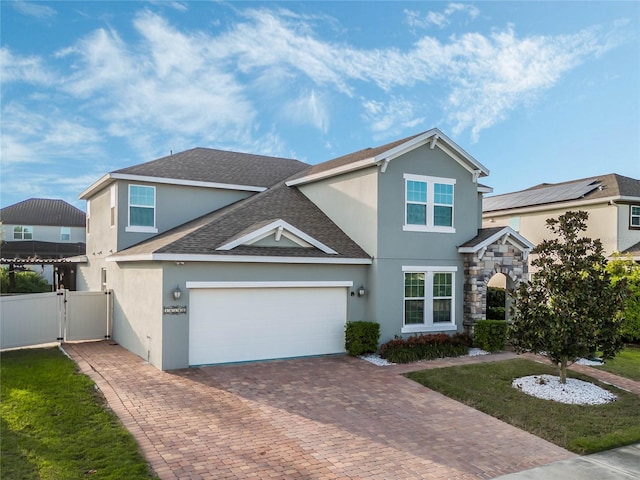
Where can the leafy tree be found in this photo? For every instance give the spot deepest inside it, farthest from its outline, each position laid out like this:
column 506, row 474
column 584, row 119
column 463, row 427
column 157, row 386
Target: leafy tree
column 570, row 307
column 625, row 269
column 26, row 282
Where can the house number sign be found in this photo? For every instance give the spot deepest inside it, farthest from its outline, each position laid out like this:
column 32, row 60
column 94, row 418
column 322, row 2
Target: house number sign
column 175, row 310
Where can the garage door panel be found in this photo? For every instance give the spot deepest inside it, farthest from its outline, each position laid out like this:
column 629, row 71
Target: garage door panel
column 243, row 324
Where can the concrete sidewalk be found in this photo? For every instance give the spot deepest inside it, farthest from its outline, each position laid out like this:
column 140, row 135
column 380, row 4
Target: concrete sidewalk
column 617, row 464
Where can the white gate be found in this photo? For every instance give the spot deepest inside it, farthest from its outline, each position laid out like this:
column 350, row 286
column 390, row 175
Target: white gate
column 54, row 317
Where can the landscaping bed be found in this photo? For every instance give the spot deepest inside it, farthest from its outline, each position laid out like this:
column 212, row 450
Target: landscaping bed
column 580, row 428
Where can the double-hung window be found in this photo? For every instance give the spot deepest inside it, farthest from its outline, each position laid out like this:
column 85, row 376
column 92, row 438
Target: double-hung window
column 429, row 299
column 429, row 204
column 142, row 209
column 21, row 232
column 634, row 216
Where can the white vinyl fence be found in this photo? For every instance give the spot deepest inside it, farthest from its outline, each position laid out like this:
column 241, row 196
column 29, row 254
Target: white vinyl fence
column 39, row 318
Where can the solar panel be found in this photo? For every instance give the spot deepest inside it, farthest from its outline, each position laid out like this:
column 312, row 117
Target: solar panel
column 540, row 196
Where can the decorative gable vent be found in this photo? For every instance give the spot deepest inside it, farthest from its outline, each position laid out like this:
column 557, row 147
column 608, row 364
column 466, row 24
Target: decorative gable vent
column 277, row 233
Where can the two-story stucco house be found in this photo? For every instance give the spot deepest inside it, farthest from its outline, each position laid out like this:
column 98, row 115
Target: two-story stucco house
column 216, row 257
column 612, row 202
column 38, row 231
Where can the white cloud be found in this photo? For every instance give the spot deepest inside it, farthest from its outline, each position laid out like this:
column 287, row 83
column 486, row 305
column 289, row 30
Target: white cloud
column 17, row 68
column 392, row 117
column 33, row 9
column 442, row 19
column 308, row 109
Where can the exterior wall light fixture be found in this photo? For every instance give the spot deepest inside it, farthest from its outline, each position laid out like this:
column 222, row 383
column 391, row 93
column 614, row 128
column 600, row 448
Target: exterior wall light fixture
column 361, row 291
column 177, row 293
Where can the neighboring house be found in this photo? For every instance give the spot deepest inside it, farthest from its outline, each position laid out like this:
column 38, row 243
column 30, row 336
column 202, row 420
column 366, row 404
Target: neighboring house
column 38, row 232
column 216, row 257
column 612, row 201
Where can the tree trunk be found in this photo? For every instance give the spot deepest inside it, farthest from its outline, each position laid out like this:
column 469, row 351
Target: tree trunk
column 562, row 370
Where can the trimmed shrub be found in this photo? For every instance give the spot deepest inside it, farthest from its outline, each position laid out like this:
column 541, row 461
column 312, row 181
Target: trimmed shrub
column 425, row 347
column 361, row 338
column 491, row 335
column 27, row 281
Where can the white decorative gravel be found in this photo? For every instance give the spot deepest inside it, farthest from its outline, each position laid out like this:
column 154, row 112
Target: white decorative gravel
column 474, row 352
column 590, row 363
column 577, row 392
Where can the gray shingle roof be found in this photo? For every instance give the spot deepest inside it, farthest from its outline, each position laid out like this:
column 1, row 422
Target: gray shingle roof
column 43, row 211
column 604, row 186
column 351, row 158
column 483, row 234
column 633, row 250
column 218, row 166
column 203, row 235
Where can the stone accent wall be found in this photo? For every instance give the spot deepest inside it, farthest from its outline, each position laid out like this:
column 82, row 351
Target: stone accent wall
column 479, row 267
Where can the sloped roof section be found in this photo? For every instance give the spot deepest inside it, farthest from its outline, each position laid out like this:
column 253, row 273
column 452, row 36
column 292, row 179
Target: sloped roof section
column 488, row 236
column 384, row 154
column 219, row 166
column 633, row 250
column 43, row 211
column 592, row 188
column 206, row 234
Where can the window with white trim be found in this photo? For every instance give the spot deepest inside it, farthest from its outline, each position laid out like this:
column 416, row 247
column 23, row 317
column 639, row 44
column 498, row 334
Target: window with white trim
column 429, row 299
column 429, row 204
column 634, row 216
column 142, row 209
column 20, row 232
column 65, row 234
column 88, row 217
column 112, row 210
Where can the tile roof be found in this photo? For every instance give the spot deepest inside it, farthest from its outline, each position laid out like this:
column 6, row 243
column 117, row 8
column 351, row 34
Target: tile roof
column 43, row 211
column 591, row 188
column 218, row 166
column 203, row 235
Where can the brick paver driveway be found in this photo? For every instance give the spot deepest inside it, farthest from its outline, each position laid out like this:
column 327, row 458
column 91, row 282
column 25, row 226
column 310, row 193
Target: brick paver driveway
column 316, row 418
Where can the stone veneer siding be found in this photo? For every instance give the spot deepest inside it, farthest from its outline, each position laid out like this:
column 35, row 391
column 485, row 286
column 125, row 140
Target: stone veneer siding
column 479, row 267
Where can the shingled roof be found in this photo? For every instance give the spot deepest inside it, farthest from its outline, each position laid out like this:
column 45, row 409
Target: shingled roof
column 219, row 166
column 43, row 211
column 206, row 234
column 592, row 188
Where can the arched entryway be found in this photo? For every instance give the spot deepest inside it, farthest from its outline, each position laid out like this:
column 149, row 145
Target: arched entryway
column 498, row 250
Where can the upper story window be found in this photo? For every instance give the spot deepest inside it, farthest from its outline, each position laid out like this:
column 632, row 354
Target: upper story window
column 21, row 232
column 429, row 204
column 65, row 233
column 634, row 216
column 112, row 209
column 429, row 299
column 142, row 209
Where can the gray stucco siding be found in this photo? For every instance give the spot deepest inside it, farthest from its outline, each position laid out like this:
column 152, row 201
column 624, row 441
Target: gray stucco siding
column 398, row 248
column 174, row 205
column 175, row 339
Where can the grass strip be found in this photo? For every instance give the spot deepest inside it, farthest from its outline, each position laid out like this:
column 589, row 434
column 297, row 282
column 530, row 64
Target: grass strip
column 626, row 364
column 579, row 428
column 55, row 424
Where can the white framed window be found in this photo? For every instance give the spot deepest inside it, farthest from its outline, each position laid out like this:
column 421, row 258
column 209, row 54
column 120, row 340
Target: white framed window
column 429, row 299
column 65, row 234
column 429, row 204
column 21, row 232
column 142, row 209
column 634, row 216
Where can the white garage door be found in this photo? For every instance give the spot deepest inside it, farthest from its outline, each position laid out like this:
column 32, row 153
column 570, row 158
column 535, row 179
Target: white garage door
column 258, row 321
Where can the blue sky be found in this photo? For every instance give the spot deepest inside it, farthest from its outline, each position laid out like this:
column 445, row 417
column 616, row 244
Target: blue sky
column 536, row 91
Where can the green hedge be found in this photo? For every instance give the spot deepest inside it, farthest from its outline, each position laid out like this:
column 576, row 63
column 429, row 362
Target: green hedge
column 425, row 347
column 496, row 313
column 361, row 338
column 491, row 335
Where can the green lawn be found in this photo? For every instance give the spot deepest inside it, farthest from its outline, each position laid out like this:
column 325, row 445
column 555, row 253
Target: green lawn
column 625, row 364
column 55, row 425
column 581, row 429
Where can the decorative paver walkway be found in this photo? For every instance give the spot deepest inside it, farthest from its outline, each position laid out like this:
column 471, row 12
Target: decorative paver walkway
column 313, row 418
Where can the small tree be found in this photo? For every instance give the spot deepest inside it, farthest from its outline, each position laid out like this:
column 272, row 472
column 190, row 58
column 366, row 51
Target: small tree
column 570, row 307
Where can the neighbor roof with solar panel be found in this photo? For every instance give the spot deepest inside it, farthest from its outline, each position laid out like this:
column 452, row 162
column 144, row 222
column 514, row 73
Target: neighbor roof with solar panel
column 605, row 186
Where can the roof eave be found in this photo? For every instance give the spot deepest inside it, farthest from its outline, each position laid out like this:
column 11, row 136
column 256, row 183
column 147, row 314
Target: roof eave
column 178, row 257
column 557, row 205
column 506, row 233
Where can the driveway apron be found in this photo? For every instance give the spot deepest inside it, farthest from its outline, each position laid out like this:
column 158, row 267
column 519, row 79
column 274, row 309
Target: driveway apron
column 333, row 417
